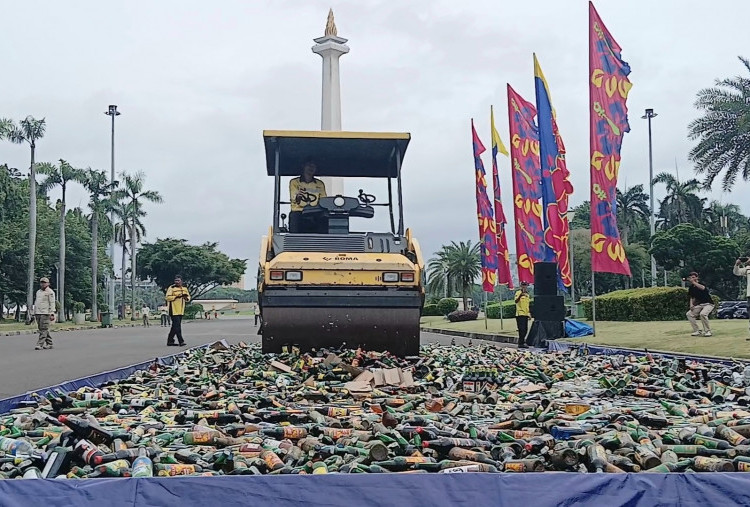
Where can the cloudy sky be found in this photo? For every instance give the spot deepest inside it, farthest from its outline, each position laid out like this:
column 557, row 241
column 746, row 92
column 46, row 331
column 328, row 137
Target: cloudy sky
column 197, row 82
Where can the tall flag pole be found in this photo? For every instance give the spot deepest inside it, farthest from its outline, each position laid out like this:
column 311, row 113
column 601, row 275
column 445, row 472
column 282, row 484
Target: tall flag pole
column 608, row 121
column 487, row 232
column 527, row 186
column 556, row 186
column 503, row 256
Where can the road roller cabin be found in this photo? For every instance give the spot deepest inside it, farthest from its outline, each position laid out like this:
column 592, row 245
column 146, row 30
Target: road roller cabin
column 335, row 286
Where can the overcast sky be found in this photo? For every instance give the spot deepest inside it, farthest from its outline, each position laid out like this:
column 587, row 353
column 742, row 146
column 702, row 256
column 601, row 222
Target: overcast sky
column 198, row 81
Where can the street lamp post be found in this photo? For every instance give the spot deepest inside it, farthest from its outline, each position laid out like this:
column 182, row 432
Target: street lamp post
column 112, row 111
column 570, row 215
column 648, row 116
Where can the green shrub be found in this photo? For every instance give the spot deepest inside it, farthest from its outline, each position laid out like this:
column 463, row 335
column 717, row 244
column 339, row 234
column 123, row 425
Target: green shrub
column 508, row 308
column 431, row 310
column 462, row 316
column 447, row 305
column 79, row 307
column 192, row 309
column 640, row 305
column 433, row 300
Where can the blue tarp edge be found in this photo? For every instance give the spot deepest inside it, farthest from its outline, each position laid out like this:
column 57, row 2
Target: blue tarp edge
column 345, row 490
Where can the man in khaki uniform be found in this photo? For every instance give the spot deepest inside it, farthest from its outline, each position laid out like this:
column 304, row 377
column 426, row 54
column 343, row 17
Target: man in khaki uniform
column 44, row 311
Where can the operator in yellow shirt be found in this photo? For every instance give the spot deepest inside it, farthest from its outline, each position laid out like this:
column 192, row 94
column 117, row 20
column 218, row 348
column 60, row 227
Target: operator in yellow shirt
column 306, row 190
column 522, row 314
column 177, row 297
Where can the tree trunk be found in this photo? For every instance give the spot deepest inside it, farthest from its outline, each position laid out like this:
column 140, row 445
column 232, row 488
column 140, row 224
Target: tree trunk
column 133, row 245
column 94, row 264
column 465, row 297
column 32, row 237
column 61, row 288
column 122, row 275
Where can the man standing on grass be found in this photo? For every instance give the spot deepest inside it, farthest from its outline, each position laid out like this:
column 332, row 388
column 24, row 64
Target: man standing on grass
column 701, row 305
column 44, row 312
column 522, row 314
column 177, row 297
column 742, row 268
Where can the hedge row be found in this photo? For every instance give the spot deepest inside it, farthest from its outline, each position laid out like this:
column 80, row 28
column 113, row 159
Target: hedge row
column 431, row 310
column 508, row 309
column 645, row 304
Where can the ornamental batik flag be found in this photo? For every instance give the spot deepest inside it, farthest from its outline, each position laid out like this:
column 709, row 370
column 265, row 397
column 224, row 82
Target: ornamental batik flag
column 608, row 121
column 556, row 187
column 527, row 186
column 503, row 256
column 487, row 232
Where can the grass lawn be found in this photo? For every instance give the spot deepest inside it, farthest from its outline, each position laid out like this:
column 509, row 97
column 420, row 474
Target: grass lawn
column 472, row 326
column 728, row 339
column 12, row 325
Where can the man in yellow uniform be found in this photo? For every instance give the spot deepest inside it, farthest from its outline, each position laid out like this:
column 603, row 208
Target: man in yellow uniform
column 306, row 190
column 177, row 298
column 522, row 314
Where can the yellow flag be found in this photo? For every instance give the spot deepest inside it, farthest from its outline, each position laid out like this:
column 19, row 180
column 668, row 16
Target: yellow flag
column 497, row 143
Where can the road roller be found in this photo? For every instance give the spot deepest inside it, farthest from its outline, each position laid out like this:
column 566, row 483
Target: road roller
column 322, row 284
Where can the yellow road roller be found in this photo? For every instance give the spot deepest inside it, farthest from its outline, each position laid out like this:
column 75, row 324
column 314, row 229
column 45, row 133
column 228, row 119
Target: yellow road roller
column 320, row 283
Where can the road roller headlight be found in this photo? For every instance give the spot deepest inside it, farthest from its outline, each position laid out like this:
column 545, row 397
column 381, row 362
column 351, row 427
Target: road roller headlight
column 390, row 277
column 338, row 201
column 407, row 277
column 294, row 276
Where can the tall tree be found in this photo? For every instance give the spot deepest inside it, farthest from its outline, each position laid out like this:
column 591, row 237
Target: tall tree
column 724, row 219
column 458, row 264
column 134, row 193
column 60, row 175
column 202, row 267
column 99, row 190
column 681, row 204
column 632, row 208
column 723, row 131
column 439, row 280
column 29, row 130
column 122, row 212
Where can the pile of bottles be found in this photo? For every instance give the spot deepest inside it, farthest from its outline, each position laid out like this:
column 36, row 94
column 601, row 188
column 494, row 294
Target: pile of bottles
column 235, row 411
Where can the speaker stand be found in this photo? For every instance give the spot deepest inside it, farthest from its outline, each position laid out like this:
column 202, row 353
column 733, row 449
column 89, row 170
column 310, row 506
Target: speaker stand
column 543, row 330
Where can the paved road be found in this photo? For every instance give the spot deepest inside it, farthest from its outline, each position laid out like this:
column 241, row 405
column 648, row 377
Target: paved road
column 81, row 353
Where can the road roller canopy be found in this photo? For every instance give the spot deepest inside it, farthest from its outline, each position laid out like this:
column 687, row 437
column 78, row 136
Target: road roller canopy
column 336, row 154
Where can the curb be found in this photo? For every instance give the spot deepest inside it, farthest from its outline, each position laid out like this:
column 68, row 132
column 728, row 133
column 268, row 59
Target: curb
column 80, row 328
column 498, row 338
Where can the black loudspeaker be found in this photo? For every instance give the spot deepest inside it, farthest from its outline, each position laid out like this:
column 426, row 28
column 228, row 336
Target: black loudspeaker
column 548, row 308
column 545, row 279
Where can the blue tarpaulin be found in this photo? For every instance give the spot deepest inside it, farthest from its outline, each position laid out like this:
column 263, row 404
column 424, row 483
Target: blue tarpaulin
column 577, row 329
column 347, row 490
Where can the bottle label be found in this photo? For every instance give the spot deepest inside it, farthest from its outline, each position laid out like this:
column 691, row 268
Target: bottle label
column 461, row 469
column 742, row 466
column 172, row 470
column 294, row 433
column 337, row 412
column 515, row 467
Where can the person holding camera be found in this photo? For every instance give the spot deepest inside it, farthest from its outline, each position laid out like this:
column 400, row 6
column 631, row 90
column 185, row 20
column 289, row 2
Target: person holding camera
column 177, row 297
column 701, row 305
column 742, row 268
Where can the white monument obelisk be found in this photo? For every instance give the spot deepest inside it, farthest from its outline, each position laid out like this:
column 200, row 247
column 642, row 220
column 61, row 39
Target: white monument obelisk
column 330, row 47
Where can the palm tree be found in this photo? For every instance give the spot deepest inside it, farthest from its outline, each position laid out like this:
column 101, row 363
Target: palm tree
column 681, row 204
column 60, row 175
column 135, row 195
column 29, row 130
column 722, row 131
column 724, row 219
column 439, row 280
column 457, row 264
column 122, row 214
column 632, row 208
column 99, row 190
